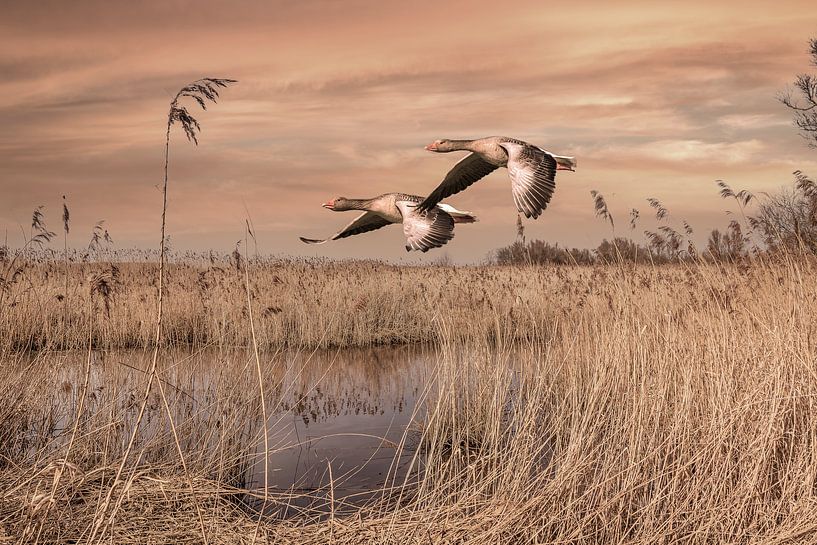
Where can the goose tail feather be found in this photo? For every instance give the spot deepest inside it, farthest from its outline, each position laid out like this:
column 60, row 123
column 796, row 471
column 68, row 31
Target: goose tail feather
column 565, row 163
column 459, row 216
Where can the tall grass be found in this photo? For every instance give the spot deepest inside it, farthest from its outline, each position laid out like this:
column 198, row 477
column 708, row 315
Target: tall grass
column 202, row 91
column 316, row 304
column 608, row 405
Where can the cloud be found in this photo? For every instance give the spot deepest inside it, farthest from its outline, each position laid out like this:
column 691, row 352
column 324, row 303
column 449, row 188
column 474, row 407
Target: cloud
column 752, row 121
column 339, row 98
column 696, row 151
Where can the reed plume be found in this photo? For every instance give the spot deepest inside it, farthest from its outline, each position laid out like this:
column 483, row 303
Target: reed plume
column 634, row 215
column 600, row 207
column 201, row 91
column 40, row 235
column 660, row 211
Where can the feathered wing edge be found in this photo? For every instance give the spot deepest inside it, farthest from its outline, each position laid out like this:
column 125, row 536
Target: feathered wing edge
column 367, row 221
column 470, row 169
column 533, row 177
column 425, row 230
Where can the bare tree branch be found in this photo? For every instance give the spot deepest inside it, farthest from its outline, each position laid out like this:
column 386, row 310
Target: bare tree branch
column 802, row 100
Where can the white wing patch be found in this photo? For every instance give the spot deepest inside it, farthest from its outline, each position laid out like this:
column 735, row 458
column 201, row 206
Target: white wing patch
column 425, row 230
column 533, row 177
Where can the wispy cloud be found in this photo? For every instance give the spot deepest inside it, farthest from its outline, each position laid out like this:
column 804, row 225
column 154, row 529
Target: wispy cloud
column 696, row 151
column 753, row 121
column 339, row 98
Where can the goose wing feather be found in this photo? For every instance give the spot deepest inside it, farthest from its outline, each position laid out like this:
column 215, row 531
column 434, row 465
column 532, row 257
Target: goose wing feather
column 367, row 221
column 425, row 230
column 467, row 171
column 533, row 177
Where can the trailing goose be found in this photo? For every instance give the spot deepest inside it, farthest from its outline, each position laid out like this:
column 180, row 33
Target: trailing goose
column 423, row 230
column 532, row 170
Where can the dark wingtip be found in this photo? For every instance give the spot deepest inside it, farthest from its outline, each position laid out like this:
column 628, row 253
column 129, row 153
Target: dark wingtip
column 308, row 240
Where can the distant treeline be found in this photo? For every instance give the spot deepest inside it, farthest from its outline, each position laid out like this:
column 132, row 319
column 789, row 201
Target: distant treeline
column 784, row 221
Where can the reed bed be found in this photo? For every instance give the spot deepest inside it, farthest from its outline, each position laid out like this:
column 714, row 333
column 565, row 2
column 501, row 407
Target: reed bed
column 605, row 404
column 310, row 304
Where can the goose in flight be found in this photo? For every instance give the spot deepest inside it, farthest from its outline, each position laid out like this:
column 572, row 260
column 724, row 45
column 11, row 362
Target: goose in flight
column 423, row 230
column 532, row 170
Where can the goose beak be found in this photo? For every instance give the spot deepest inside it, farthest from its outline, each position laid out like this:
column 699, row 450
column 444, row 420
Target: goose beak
column 329, row 204
column 431, row 147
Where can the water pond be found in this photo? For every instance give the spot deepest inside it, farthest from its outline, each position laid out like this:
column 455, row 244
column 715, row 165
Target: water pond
column 340, row 423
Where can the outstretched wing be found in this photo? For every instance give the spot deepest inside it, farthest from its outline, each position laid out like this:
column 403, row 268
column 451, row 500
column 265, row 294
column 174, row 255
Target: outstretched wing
column 367, row 221
column 425, row 230
column 470, row 169
column 533, row 177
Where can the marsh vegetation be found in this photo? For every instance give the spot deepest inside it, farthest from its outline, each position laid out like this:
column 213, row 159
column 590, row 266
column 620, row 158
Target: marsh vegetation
column 621, row 402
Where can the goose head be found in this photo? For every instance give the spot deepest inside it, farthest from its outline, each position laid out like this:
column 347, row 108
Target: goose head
column 440, row 146
column 338, row 204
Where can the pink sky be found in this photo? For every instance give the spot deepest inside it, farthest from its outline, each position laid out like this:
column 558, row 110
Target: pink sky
column 339, row 98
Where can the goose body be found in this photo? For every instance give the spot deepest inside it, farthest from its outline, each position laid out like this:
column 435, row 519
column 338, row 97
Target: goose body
column 532, row 170
column 423, row 230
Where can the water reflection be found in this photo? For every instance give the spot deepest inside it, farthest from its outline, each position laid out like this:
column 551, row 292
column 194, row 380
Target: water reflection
column 347, row 413
column 339, row 414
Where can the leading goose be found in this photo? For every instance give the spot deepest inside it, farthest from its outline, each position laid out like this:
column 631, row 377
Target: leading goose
column 423, row 231
column 532, row 170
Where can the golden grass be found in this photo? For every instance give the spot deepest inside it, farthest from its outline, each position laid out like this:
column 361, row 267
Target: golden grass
column 592, row 405
column 295, row 303
column 311, row 304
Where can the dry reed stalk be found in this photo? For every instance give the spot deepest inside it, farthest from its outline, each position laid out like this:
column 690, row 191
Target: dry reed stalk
column 66, row 219
column 201, row 91
column 264, row 419
column 59, row 473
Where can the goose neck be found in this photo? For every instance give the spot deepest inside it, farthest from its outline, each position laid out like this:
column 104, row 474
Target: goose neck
column 461, row 145
column 359, row 204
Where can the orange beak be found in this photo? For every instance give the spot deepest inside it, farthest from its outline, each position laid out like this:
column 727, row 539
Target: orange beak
column 329, row 204
column 431, row 147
